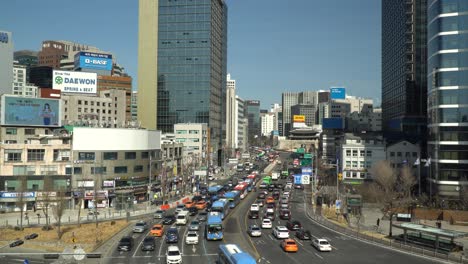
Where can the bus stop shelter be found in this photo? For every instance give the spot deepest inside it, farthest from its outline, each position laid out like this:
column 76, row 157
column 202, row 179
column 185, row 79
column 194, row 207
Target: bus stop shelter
column 438, row 233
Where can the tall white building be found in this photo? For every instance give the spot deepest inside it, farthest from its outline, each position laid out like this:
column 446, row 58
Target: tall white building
column 276, row 109
column 343, row 107
column 241, row 128
column 194, row 137
column 6, row 62
column 20, row 86
column 267, row 123
column 231, row 120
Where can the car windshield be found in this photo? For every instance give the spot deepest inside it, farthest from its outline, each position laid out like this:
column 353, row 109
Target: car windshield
column 173, row 253
column 290, row 243
column 214, row 228
column 156, row 228
column 149, row 239
column 159, row 212
column 192, row 234
column 140, row 224
column 125, row 240
column 323, row 243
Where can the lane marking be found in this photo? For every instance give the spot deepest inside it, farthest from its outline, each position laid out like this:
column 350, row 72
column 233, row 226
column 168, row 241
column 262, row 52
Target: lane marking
column 318, row 255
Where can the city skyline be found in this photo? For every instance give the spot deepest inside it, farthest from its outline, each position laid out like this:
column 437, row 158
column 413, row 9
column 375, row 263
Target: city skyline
column 255, row 41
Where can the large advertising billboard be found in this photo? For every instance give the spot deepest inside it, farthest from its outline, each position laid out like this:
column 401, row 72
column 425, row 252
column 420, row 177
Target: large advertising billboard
column 337, row 93
column 95, row 61
column 299, row 118
column 75, row 82
column 30, row 111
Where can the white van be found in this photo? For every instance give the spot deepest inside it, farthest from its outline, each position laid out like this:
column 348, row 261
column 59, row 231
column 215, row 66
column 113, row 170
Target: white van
column 182, row 218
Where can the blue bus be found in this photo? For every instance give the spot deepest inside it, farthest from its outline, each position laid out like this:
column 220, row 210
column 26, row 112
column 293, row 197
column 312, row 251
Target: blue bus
column 233, row 254
column 214, row 227
column 221, row 206
column 233, row 197
column 215, row 192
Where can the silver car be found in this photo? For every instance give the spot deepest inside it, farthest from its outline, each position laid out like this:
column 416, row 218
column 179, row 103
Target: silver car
column 255, row 231
column 194, row 226
column 140, row 227
column 159, row 214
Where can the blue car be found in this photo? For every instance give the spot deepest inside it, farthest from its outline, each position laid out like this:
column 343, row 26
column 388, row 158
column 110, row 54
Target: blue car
column 172, row 235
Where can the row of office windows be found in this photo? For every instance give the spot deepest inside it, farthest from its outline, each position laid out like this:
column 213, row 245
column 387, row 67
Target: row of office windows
column 16, row 155
column 111, row 155
column 103, row 170
column 362, row 153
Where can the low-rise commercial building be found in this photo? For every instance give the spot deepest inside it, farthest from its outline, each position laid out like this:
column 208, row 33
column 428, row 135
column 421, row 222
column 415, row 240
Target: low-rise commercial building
column 194, row 137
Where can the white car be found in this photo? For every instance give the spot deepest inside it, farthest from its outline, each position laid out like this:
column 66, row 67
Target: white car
column 179, row 208
column 191, row 238
column 173, row 255
column 321, row 244
column 255, row 207
column 266, row 223
column 254, row 231
column 211, row 178
column 281, row 232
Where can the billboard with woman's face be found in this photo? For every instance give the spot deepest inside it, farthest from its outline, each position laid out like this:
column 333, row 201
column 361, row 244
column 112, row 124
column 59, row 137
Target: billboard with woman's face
column 30, row 111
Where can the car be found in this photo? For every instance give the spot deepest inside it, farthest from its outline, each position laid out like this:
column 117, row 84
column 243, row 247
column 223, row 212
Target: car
column 125, row 244
column 17, row 242
column 263, row 186
column 303, row 234
column 260, row 202
column 270, row 215
column 276, row 195
column 140, row 227
column 299, row 186
column 196, row 198
column 284, row 214
column 267, row 223
column 211, row 178
column 31, row 236
column 261, row 196
column 254, row 215
column 283, row 206
column 179, row 208
column 193, row 211
column 284, row 200
column 159, row 214
column 202, row 216
column 169, row 220
column 286, row 194
column 279, row 186
column 270, row 208
column 149, row 244
column 293, row 225
column 157, row 230
column 172, row 235
column 270, row 199
column 194, row 225
column 321, row 244
column 254, row 231
column 254, row 207
column 191, row 238
column 281, row 232
column 189, row 204
column 289, row 245
column 173, row 255
column 200, row 205
column 271, row 187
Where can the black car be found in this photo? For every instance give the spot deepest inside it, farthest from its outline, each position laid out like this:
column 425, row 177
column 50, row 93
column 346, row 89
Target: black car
column 197, row 198
column 169, row 220
column 16, row 243
column 279, row 186
column 271, row 188
column 31, row 236
column 172, row 235
column 303, row 234
column 285, row 214
column 193, row 211
column 261, row 196
column 253, row 215
column 293, row 225
column 276, row 195
column 202, row 216
column 270, row 216
column 125, row 244
column 149, row 244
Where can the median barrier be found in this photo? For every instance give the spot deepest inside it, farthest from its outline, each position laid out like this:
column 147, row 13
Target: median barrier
column 165, row 207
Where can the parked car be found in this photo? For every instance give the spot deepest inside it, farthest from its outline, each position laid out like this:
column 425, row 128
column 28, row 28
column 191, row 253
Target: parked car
column 281, row 232
column 172, row 235
column 169, row 220
column 191, row 238
column 303, row 234
column 254, row 231
column 149, row 244
column 140, row 227
column 173, row 255
column 321, row 244
column 293, row 225
column 31, row 236
column 159, row 214
column 17, row 242
column 125, row 244
column 194, row 225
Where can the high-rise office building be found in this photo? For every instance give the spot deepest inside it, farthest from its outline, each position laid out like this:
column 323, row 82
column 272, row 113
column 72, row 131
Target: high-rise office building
column 404, row 56
column 241, row 132
column 231, row 121
column 447, row 81
column 252, row 113
column 288, row 99
column 190, row 68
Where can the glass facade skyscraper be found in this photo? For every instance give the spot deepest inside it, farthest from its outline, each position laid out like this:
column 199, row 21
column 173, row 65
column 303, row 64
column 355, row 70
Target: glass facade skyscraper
column 447, row 80
column 192, row 61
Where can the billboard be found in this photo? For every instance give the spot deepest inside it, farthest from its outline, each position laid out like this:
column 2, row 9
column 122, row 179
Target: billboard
column 30, row 111
column 75, row 82
column 299, row 118
column 337, row 93
column 333, row 123
column 95, row 61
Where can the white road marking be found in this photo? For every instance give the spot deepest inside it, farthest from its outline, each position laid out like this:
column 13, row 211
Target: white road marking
column 318, row 255
column 139, row 245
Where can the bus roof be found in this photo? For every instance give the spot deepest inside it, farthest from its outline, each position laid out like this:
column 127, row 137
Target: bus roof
column 219, row 203
column 236, row 255
column 231, row 194
column 214, row 188
column 214, row 218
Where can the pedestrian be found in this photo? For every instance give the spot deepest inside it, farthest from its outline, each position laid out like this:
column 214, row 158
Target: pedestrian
column 378, row 222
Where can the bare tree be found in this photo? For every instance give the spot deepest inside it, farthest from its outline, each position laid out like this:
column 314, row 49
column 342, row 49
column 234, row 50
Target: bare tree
column 20, row 200
column 58, row 209
column 391, row 189
column 47, row 200
column 464, row 197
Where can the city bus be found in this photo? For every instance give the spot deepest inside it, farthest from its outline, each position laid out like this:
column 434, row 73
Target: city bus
column 242, row 188
column 214, row 226
column 267, row 180
column 221, row 206
column 233, row 197
column 215, row 192
column 233, row 254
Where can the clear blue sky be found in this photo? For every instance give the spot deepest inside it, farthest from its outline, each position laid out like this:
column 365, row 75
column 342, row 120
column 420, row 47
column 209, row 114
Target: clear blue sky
column 274, row 45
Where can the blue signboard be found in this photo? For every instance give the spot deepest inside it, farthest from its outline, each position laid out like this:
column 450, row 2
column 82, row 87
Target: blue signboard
column 332, row 123
column 297, row 178
column 30, row 111
column 307, row 170
column 337, row 93
column 7, row 195
column 95, row 61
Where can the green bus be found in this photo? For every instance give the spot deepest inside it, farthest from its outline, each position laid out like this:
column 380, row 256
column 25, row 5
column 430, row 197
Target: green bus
column 267, row 180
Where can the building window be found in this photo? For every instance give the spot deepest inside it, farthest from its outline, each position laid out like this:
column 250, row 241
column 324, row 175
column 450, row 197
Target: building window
column 29, row 131
column 414, row 154
column 369, row 153
column 110, row 155
column 120, row 169
column 77, row 170
column 407, row 154
column 19, row 170
column 49, row 170
column 354, row 174
column 138, row 168
column 13, row 154
column 86, row 155
column 181, row 131
column 61, row 154
column 348, row 164
column 355, row 164
column 144, row 155
column 354, row 153
column 130, row 155
column 398, row 154
column 36, row 154
column 193, row 131
column 98, row 170
column 392, row 154
column 11, row 131
column 348, row 153
column 362, row 153
column 79, row 102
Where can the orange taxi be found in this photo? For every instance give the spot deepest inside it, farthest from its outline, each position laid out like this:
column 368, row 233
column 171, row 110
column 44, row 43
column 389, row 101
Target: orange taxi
column 270, row 200
column 289, row 245
column 157, row 230
column 189, row 204
column 200, row 205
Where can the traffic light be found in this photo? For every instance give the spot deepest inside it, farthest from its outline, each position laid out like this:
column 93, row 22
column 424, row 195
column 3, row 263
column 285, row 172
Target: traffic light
column 340, row 176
